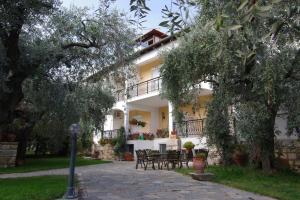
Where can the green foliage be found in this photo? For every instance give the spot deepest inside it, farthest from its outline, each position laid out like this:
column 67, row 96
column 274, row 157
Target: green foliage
column 102, row 142
column 162, row 133
column 137, row 122
column 46, row 163
column 280, row 184
column 176, row 16
column 188, row 145
column 249, row 52
column 120, row 146
column 57, row 107
column 217, row 126
column 112, row 141
column 53, row 187
column 53, row 51
column 201, row 155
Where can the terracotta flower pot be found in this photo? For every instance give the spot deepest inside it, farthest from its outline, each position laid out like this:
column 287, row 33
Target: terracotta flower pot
column 199, row 164
column 239, row 158
column 128, row 156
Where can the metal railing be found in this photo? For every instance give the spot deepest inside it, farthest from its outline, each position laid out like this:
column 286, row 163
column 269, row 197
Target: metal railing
column 109, row 134
column 145, row 87
column 189, row 128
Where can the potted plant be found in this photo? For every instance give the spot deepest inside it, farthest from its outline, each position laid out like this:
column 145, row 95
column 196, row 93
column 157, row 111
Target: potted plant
column 239, row 155
column 141, row 123
column 148, row 136
column 199, row 162
column 133, row 121
column 128, row 156
column 135, row 136
column 162, row 133
column 174, row 132
column 102, row 142
column 141, row 136
column 188, row 146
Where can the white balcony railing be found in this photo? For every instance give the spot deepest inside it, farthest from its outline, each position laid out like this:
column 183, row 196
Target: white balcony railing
column 139, row 89
column 145, row 87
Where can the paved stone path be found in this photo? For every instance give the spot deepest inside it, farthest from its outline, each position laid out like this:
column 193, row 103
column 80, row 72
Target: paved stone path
column 121, row 181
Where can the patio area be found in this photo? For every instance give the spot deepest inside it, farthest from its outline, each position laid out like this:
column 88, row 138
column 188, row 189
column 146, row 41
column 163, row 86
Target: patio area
column 120, row 180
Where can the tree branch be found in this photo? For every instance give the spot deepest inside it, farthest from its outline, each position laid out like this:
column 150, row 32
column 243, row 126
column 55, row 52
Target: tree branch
column 79, row 44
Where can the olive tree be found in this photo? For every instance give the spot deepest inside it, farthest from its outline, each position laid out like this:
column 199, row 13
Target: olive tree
column 46, row 48
column 249, row 52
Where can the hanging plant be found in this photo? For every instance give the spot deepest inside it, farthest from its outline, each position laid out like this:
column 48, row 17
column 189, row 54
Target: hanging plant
column 141, row 123
column 133, row 121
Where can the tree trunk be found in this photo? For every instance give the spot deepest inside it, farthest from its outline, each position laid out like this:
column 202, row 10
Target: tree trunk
column 21, row 152
column 22, row 146
column 267, row 145
column 14, row 74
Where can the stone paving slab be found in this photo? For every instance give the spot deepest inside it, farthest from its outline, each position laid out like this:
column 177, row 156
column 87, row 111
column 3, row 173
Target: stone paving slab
column 121, row 181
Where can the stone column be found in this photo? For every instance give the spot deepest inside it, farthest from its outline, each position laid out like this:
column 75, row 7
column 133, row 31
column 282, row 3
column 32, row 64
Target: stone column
column 126, row 119
column 126, row 109
column 171, row 118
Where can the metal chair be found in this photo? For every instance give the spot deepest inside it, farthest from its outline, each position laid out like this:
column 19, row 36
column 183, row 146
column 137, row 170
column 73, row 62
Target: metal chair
column 140, row 158
column 173, row 157
column 184, row 158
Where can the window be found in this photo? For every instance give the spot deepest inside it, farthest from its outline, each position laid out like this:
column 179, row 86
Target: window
column 150, row 42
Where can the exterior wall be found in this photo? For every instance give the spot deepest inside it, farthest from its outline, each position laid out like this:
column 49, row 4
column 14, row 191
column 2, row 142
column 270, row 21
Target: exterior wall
column 289, row 151
column 200, row 143
column 145, row 71
column 153, row 144
column 163, row 123
column 8, row 152
column 157, row 142
column 106, row 152
column 108, row 124
column 287, row 146
column 140, row 115
column 141, row 144
column 281, row 128
column 171, row 144
column 198, row 113
column 118, row 121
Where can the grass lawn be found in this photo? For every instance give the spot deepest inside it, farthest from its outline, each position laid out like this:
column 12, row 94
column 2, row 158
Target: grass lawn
column 36, row 164
column 280, row 185
column 33, row 188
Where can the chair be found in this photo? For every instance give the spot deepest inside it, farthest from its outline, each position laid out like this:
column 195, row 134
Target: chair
column 184, row 158
column 173, row 157
column 156, row 155
column 148, row 158
column 140, row 158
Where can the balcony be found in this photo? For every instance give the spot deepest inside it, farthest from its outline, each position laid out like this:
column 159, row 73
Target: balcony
column 109, row 134
column 142, row 88
column 189, row 128
column 145, row 87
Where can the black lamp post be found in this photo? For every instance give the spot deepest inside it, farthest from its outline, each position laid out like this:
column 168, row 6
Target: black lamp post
column 71, row 194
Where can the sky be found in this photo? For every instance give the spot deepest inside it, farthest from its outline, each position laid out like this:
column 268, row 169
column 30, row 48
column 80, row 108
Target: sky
column 152, row 20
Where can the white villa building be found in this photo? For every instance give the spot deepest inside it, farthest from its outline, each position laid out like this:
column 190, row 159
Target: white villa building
column 140, row 103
